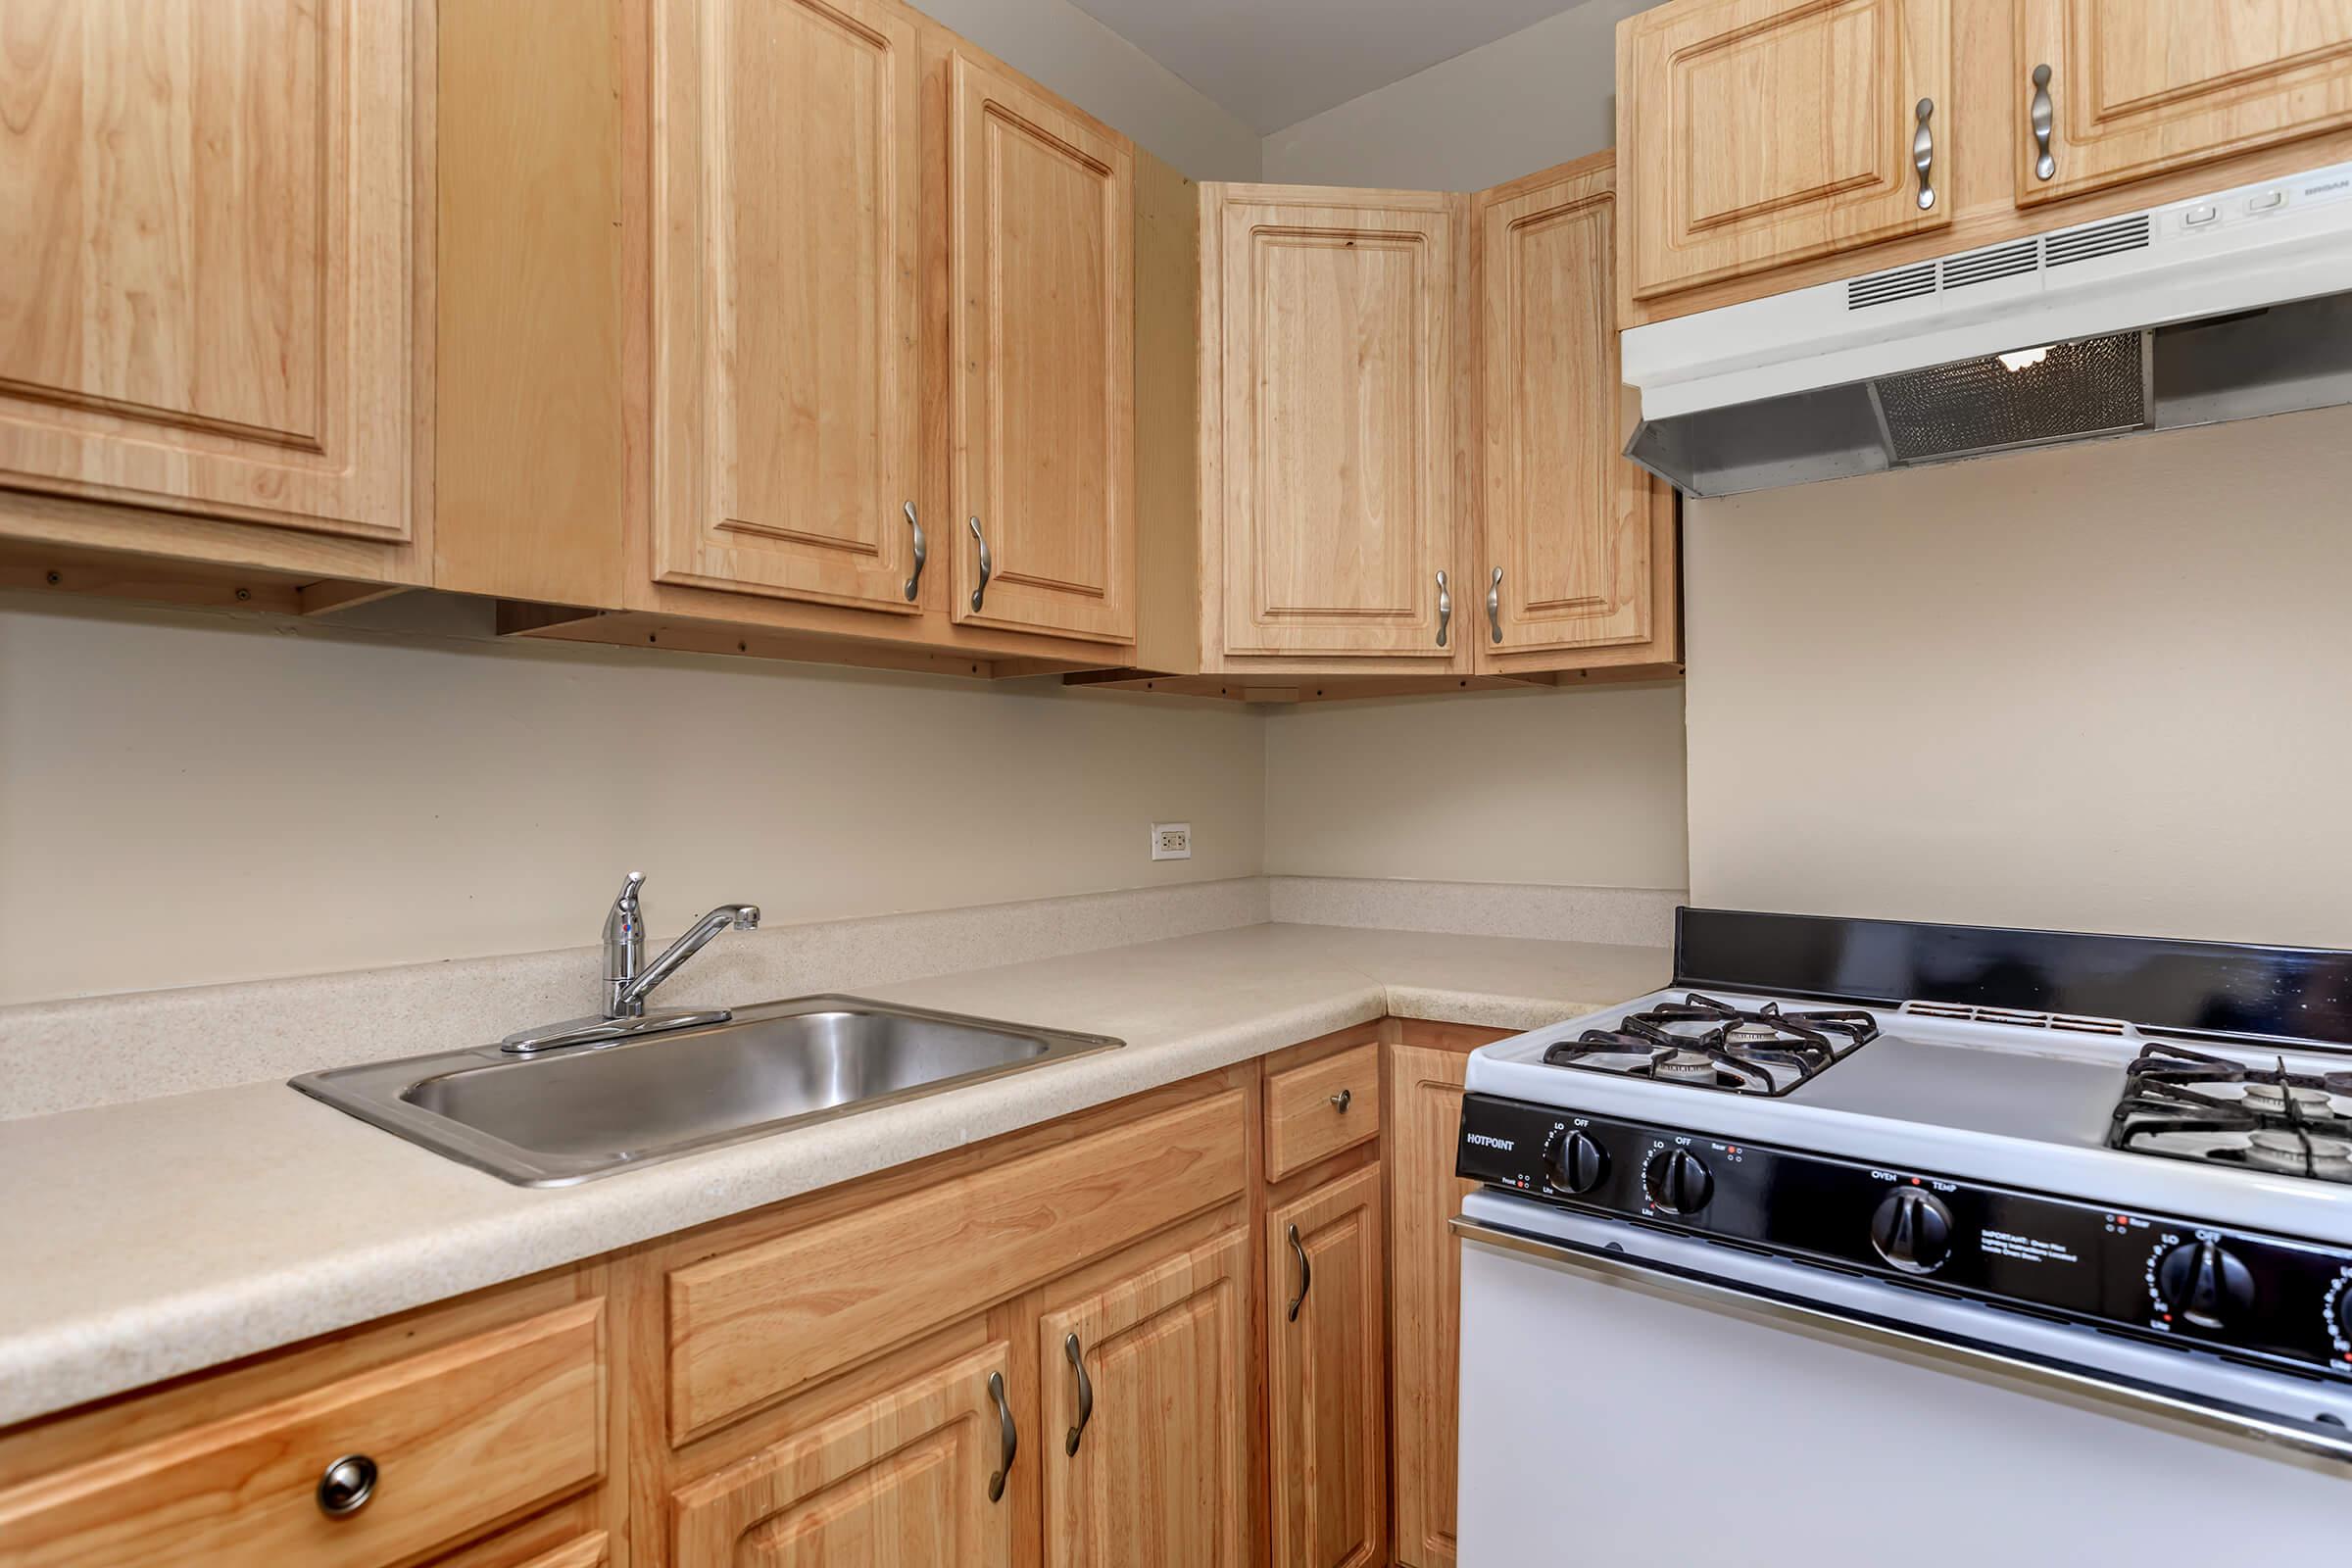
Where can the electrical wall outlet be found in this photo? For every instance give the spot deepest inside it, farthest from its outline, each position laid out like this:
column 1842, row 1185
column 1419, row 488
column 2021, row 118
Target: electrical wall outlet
column 1171, row 840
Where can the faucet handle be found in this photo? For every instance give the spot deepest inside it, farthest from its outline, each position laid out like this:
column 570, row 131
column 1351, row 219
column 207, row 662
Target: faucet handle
column 629, row 890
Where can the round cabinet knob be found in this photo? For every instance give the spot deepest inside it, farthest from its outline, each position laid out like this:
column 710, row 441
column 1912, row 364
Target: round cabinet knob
column 347, row 1485
column 2205, row 1284
column 1576, row 1164
column 1912, row 1230
column 1678, row 1182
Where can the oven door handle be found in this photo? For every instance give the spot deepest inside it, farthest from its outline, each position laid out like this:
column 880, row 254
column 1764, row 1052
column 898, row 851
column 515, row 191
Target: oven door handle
column 1705, row 1290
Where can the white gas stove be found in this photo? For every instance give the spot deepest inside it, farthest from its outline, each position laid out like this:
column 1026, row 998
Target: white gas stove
column 1900, row 1166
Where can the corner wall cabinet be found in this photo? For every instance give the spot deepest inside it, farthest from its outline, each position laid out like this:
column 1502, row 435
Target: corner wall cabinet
column 1116, row 1338
column 1771, row 144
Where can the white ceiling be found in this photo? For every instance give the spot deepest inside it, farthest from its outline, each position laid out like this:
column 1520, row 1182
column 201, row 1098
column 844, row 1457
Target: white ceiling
column 1273, row 63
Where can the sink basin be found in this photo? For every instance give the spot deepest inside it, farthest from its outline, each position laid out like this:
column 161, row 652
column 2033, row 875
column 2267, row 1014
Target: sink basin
column 586, row 1110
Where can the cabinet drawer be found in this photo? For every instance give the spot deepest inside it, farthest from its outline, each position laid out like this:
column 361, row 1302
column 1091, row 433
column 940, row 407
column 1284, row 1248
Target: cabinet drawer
column 748, row 1326
column 461, row 1437
column 1321, row 1109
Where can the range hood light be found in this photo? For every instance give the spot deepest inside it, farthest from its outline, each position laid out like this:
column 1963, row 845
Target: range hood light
column 2024, row 358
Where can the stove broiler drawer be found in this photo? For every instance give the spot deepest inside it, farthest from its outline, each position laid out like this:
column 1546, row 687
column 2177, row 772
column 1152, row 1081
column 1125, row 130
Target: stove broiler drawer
column 2260, row 1296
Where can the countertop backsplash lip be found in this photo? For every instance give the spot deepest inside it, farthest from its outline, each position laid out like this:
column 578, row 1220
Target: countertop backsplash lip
column 87, row 1051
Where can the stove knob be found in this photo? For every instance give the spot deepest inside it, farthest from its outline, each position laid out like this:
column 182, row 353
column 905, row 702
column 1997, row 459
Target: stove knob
column 1678, row 1182
column 1912, row 1230
column 1575, row 1163
column 2204, row 1283
column 2344, row 1312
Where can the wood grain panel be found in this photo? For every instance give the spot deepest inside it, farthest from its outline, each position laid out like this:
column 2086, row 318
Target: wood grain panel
column 462, row 1436
column 2146, row 86
column 899, row 1481
column 1303, row 1121
column 1163, row 1463
column 1757, row 132
column 1425, row 1298
column 213, row 292
column 1326, row 1378
column 1332, row 416
column 784, row 305
column 1042, row 220
column 750, row 1325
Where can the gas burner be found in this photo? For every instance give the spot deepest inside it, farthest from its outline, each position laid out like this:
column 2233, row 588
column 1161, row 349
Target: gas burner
column 2184, row 1104
column 1708, row 1044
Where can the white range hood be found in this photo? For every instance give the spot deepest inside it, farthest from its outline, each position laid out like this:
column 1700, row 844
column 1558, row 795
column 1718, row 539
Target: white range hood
column 2225, row 306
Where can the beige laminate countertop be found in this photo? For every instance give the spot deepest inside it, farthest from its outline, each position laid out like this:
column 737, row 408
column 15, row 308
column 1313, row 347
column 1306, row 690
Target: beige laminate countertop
column 143, row 1241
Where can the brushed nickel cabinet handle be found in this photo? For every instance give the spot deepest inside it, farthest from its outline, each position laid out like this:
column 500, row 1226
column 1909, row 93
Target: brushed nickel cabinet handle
column 1306, row 1274
column 1009, row 1439
column 1922, row 154
column 1444, row 607
column 921, row 551
column 984, row 567
column 2045, row 120
column 346, row 1486
column 1086, row 1394
column 1342, row 1100
column 1495, row 605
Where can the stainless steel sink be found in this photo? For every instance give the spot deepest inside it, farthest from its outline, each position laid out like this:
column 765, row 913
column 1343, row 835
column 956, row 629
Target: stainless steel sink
column 562, row 1116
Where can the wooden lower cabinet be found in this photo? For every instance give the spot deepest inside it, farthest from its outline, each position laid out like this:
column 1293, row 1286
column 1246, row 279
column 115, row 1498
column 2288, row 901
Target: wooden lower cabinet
column 1326, row 1345
column 912, row 1477
column 1425, row 1295
column 1146, row 1435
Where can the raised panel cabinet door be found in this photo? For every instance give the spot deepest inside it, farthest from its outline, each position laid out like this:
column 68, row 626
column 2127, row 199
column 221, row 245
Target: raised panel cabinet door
column 1147, row 1381
column 784, row 327
column 899, row 1481
column 1757, row 132
column 1568, row 521
column 208, row 302
column 1425, row 1296
column 1334, row 427
column 1042, row 375
column 2140, row 88
column 1326, row 1376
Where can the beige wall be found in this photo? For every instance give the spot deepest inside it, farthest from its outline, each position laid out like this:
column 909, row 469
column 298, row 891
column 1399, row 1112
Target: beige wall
column 2104, row 688
column 1575, row 786
column 188, row 798
column 1542, row 96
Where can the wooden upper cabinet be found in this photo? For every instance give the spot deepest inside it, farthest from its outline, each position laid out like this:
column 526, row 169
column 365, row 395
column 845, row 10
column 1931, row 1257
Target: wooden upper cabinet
column 1326, row 1376
column 1042, row 369
column 1758, row 132
column 1572, row 530
column 2139, row 87
column 1330, row 438
column 899, row 1480
column 786, row 334
column 208, row 302
column 1161, row 1471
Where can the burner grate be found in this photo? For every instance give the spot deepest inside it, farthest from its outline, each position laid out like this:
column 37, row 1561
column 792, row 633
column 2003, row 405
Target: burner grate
column 2291, row 1123
column 1708, row 1044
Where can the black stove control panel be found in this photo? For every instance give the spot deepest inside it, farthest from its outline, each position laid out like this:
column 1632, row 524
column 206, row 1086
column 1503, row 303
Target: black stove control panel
column 2261, row 1298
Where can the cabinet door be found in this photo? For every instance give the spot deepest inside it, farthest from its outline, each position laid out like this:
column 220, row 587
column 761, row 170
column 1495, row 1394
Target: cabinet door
column 2142, row 88
column 1568, row 521
column 1325, row 1382
column 1332, row 438
column 1160, row 1420
column 900, row 1481
column 1042, row 326
column 208, row 302
column 1758, row 132
column 1425, row 1284
column 784, row 298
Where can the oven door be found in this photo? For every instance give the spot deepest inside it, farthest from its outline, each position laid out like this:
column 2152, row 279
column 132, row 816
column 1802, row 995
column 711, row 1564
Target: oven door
column 1635, row 1397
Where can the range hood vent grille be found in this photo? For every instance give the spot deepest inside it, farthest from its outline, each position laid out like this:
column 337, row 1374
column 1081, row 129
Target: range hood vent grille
column 2000, row 261
column 2100, row 240
column 1884, row 288
column 2093, row 387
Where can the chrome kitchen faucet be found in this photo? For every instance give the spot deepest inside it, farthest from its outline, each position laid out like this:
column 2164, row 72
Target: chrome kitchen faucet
column 629, row 979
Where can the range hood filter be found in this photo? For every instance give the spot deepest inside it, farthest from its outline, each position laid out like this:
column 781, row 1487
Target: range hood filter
column 2094, row 387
